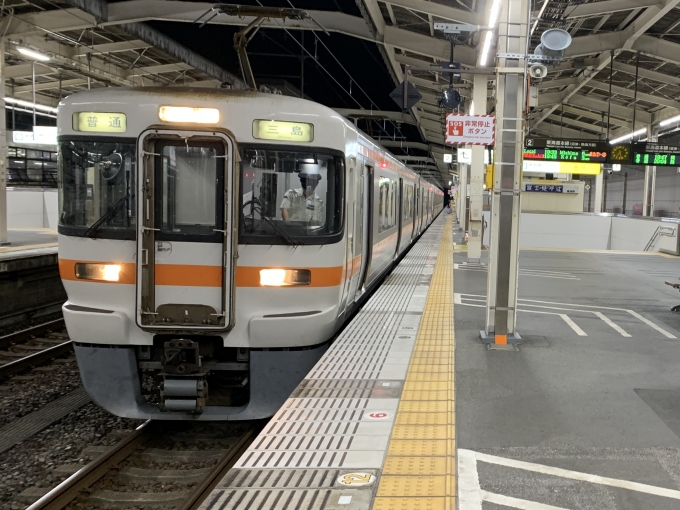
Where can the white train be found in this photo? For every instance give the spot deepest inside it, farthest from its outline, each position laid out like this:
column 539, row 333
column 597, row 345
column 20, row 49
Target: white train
column 212, row 242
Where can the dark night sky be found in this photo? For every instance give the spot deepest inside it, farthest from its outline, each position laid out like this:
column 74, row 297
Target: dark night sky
column 275, row 55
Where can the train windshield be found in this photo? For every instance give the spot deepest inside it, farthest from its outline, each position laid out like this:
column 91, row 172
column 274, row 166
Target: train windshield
column 291, row 196
column 96, row 188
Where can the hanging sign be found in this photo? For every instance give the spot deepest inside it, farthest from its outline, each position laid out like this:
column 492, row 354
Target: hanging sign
column 579, row 151
column 655, row 154
column 470, row 129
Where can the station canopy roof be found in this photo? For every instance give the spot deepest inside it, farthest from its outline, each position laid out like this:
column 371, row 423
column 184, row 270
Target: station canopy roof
column 114, row 44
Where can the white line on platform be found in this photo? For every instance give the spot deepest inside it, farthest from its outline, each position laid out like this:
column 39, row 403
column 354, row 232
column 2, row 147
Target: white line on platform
column 469, row 494
column 612, row 324
column 522, row 272
column 522, row 504
column 456, row 299
column 635, row 314
column 576, row 475
column 573, row 325
column 651, row 324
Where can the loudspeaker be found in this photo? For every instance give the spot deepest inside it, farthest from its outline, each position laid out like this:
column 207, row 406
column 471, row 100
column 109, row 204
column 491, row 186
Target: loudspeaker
column 553, row 43
column 538, row 71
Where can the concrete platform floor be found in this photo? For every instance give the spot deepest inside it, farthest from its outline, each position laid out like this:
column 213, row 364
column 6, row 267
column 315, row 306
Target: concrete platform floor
column 593, row 390
column 29, row 238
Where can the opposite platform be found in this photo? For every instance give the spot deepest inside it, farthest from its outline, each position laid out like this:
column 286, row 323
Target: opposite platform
column 372, row 425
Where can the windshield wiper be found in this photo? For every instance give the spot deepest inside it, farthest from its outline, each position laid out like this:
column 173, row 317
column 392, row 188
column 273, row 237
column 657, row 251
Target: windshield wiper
column 105, row 217
column 278, row 230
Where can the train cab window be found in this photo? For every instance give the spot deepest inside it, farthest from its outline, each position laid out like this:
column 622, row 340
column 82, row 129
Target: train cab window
column 190, row 184
column 291, row 196
column 387, row 205
column 97, row 188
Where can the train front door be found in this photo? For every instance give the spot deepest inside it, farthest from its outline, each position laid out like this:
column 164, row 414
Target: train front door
column 185, row 244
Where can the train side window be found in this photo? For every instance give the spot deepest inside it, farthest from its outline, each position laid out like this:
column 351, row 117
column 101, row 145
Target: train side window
column 387, row 208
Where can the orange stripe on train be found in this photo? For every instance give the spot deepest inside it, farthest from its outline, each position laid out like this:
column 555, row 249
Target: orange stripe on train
column 185, row 275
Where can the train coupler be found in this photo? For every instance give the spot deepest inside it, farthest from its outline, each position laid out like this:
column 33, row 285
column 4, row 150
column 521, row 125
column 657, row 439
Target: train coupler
column 185, row 384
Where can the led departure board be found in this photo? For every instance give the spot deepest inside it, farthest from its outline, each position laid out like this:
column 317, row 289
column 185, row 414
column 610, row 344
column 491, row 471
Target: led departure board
column 655, row 154
column 579, row 151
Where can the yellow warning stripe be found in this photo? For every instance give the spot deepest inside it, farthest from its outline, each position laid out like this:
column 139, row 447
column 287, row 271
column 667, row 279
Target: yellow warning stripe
column 420, row 468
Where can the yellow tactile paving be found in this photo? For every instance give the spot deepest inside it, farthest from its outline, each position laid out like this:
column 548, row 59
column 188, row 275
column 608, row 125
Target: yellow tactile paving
column 422, row 418
column 415, row 465
column 420, row 467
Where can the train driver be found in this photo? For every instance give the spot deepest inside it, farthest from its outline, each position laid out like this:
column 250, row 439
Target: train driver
column 303, row 204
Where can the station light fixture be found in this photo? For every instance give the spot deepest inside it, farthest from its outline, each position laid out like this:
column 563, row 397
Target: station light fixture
column 669, row 121
column 36, row 55
column 186, row 114
column 493, row 18
column 29, row 104
column 628, row 136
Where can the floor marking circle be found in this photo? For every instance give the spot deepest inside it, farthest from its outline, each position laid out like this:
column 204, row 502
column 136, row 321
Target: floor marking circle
column 356, row 479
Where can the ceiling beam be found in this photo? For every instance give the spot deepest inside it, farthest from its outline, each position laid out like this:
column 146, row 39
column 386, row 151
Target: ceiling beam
column 561, row 132
column 603, row 43
column 594, row 9
column 376, row 115
column 623, row 112
column 557, row 119
column 595, row 115
column 622, row 91
column 48, row 85
column 115, row 47
column 647, row 73
column 440, row 10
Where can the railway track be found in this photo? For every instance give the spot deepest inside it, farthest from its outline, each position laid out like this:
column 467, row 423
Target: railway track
column 169, row 465
column 31, row 347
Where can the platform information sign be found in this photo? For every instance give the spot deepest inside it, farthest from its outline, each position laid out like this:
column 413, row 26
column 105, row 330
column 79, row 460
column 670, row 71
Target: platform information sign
column 552, row 149
column 655, row 154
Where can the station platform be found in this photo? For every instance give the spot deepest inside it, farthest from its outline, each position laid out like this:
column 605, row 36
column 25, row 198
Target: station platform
column 372, row 425
column 34, row 241
column 586, row 414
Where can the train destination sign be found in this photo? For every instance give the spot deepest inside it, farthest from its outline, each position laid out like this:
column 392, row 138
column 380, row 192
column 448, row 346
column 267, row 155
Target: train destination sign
column 580, row 151
column 655, row 154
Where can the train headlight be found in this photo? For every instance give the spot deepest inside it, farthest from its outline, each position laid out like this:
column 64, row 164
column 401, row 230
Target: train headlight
column 185, row 114
column 285, row 277
column 100, row 272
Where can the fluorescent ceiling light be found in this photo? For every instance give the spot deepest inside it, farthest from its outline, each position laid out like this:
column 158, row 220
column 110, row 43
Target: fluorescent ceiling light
column 493, row 18
column 28, row 104
column 628, row 136
column 33, row 54
column 670, row 121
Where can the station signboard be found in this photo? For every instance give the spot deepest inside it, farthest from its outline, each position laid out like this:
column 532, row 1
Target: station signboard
column 554, row 149
column 655, row 154
column 470, row 129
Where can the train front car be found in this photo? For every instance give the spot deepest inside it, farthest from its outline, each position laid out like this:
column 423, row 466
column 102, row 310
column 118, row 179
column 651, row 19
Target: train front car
column 171, row 318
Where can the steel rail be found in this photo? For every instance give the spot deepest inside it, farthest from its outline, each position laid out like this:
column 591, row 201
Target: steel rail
column 59, row 497
column 63, row 494
column 203, row 489
column 36, row 359
column 26, row 334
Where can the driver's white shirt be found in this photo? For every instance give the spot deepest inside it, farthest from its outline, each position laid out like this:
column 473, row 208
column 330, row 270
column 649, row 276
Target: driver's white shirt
column 300, row 208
